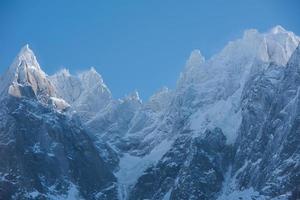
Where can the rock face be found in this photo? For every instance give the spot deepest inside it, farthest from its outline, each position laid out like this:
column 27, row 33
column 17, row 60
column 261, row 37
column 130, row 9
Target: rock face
column 192, row 169
column 86, row 92
column 229, row 130
column 231, row 96
column 44, row 153
column 26, row 79
column 268, row 145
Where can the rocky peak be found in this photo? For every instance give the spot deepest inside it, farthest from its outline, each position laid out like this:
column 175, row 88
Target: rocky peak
column 26, row 58
column 195, row 59
column 25, row 78
column 134, row 96
column 278, row 29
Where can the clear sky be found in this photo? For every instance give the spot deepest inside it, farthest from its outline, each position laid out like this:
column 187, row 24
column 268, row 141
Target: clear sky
column 135, row 44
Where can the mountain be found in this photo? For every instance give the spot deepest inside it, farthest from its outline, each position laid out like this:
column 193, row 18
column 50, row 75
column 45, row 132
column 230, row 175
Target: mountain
column 45, row 153
column 228, row 130
column 25, row 78
column 210, row 98
column 86, row 92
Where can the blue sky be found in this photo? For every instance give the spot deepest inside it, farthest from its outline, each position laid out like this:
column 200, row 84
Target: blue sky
column 134, row 44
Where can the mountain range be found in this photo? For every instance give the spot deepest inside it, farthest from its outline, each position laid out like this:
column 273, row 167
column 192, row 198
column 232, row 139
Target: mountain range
column 230, row 129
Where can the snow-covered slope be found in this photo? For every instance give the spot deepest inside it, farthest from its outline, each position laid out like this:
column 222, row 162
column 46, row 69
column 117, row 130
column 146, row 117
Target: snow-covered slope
column 44, row 153
column 214, row 87
column 211, row 94
column 229, row 129
column 86, row 92
column 24, row 78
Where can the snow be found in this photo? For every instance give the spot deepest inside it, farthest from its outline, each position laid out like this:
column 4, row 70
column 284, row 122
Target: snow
column 24, row 73
column 134, row 96
column 33, row 194
column 223, row 114
column 167, row 195
column 230, row 190
column 132, row 167
column 72, row 194
column 248, row 194
column 160, row 100
column 195, row 59
column 210, row 91
column 218, row 83
column 37, row 148
column 277, row 29
column 3, row 176
column 27, row 55
column 14, row 91
column 58, row 103
column 86, row 92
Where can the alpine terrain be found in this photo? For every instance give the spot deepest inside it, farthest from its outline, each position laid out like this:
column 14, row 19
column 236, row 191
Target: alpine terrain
column 230, row 130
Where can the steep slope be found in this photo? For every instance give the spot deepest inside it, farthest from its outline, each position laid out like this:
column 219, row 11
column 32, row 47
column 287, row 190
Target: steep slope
column 268, row 153
column 45, row 154
column 113, row 123
column 86, row 92
column 25, row 78
column 229, row 130
column 25, row 74
column 212, row 94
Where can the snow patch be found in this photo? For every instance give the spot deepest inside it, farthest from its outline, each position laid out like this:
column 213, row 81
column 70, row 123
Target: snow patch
column 72, row 194
column 132, row 167
column 223, row 114
column 167, row 195
column 248, row 194
column 60, row 104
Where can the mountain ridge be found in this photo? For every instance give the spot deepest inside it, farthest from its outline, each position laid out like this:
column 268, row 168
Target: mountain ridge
column 209, row 138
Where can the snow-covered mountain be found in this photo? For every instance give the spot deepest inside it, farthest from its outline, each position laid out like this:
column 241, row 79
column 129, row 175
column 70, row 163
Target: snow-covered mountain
column 86, row 92
column 212, row 97
column 25, row 78
column 229, row 130
column 45, row 154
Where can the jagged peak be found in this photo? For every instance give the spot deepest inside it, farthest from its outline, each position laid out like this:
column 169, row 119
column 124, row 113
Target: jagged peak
column 88, row 83
column 91, row 74
column 25, row 58
column 93, row 70
column 195, row 59
column 278, row 29
column 91, row 79
column 162, row 91
column 64, row 72
column 25, row 48
column 134, row 96
column 25, row 63
column 295, row 57
column 250, row 33
column 275, row 45
column 161, row 98
column 25, row 78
